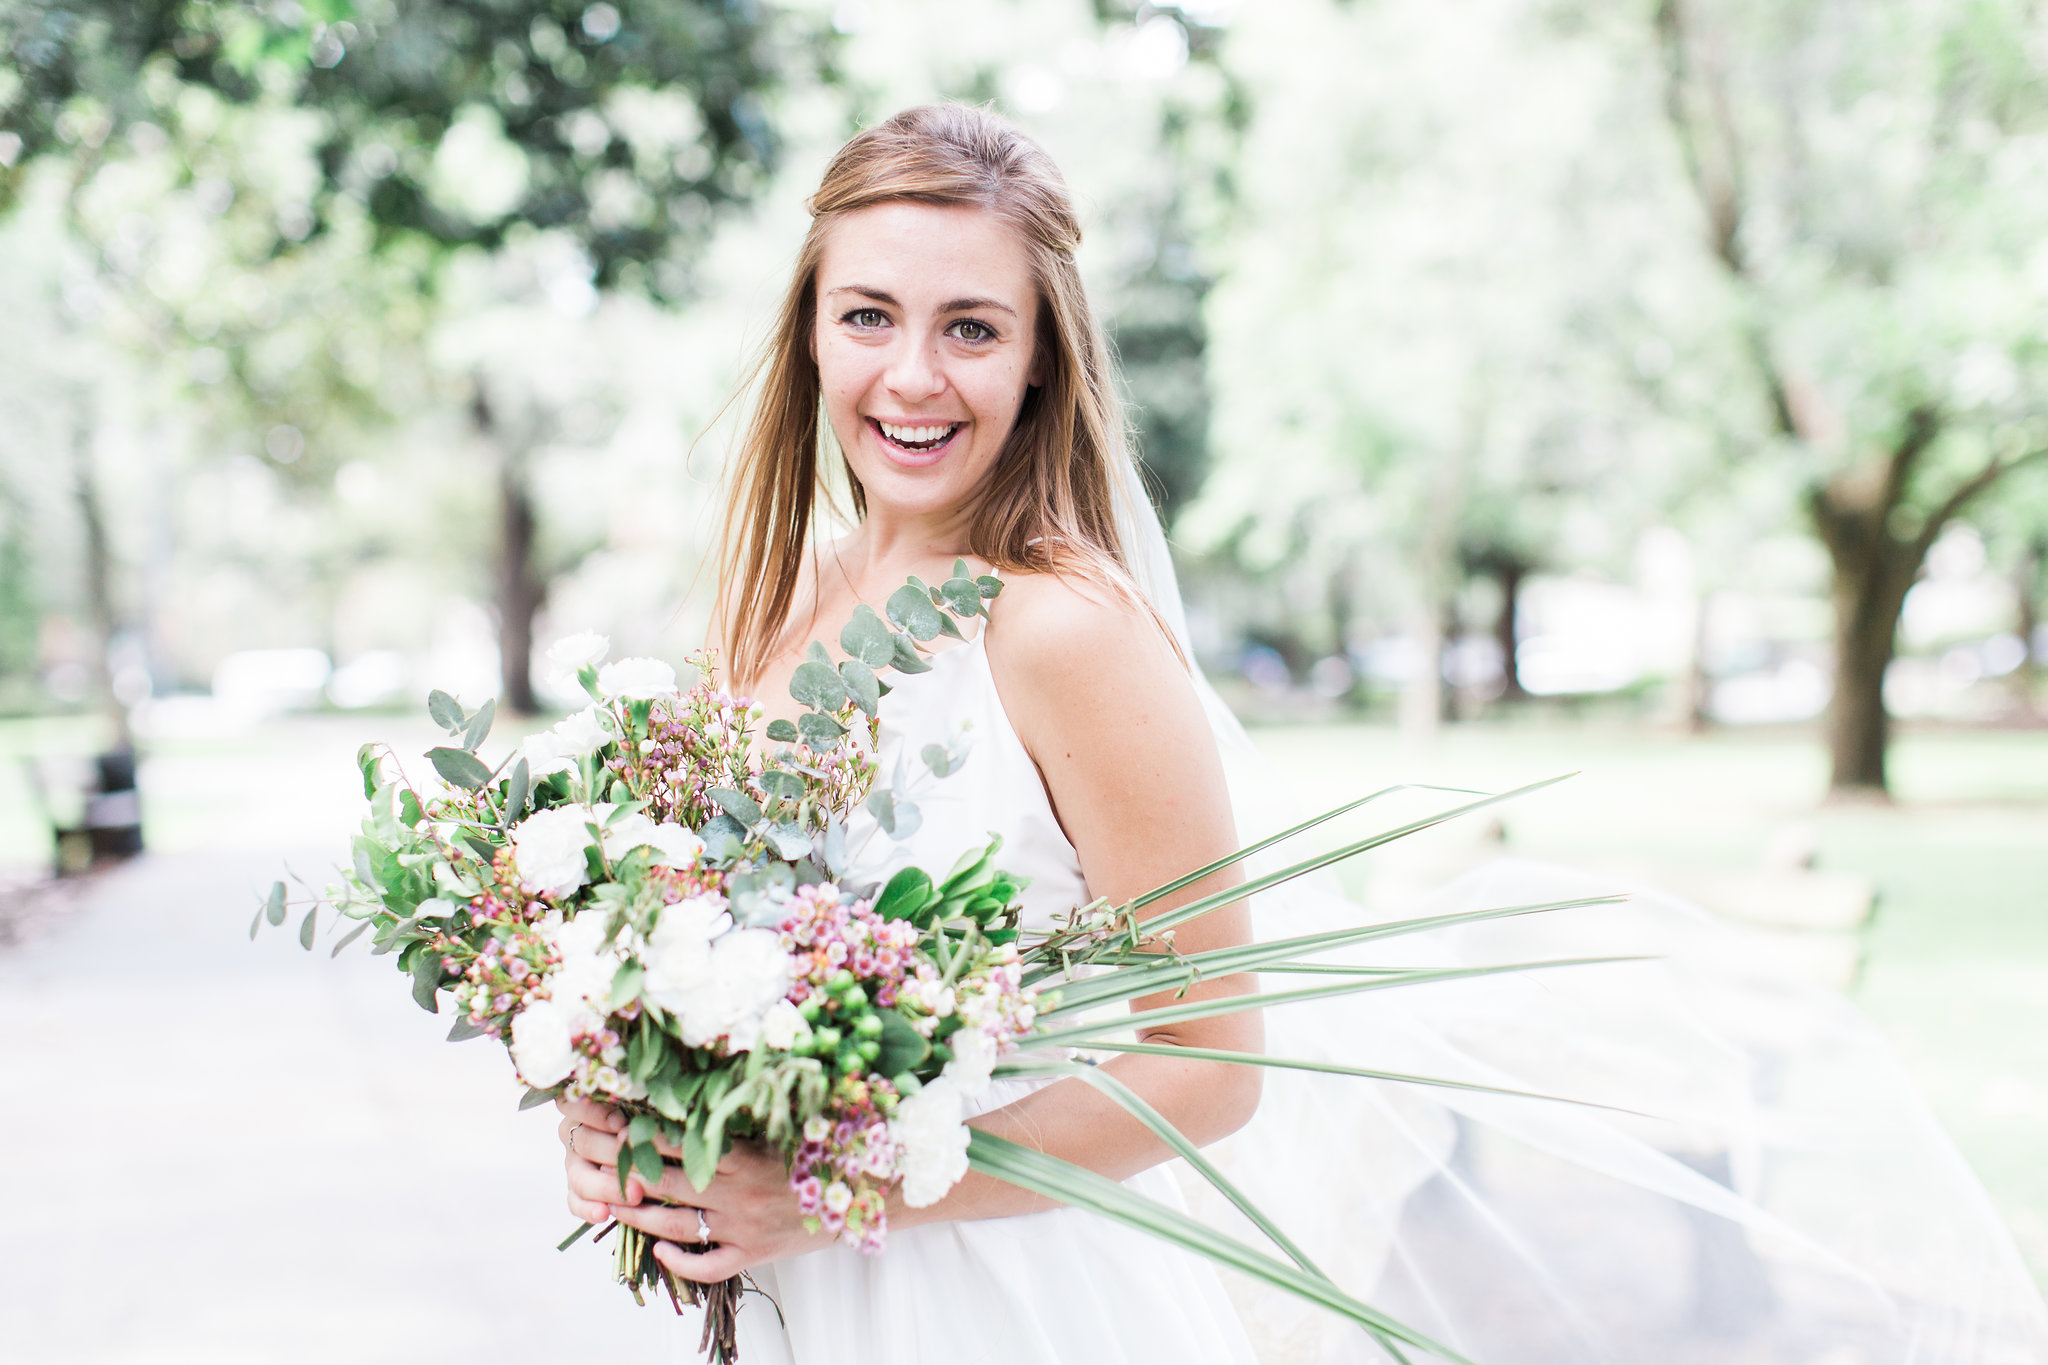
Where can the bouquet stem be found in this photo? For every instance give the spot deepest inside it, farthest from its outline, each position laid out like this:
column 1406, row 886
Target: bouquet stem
column 638, row 1270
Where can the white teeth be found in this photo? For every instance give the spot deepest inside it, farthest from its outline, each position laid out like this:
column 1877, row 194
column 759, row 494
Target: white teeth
column 915, row 435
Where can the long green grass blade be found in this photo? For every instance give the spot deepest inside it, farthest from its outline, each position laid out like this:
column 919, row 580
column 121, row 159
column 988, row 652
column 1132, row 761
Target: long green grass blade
column 1135, row 1105
column 1178, row 883
column 1194, row 909
column 1238, row 1004
column 1030, row 1169
column 1211, row 1054
column 1155, row 971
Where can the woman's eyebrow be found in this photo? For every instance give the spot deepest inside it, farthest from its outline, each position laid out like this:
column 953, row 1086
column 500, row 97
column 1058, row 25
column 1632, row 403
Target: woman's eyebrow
column 969, row 305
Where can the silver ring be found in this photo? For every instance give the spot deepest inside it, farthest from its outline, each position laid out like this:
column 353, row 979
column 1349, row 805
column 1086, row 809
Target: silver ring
column 703, row 1230
column 572, row 1135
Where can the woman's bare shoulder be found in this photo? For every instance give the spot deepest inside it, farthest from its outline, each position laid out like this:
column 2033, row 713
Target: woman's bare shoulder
column 1064, row 641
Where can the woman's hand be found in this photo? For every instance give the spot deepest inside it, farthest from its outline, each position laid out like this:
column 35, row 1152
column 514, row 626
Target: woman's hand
column 748, row 1209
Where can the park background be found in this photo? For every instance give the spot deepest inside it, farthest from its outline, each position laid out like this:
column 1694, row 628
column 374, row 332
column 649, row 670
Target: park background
column 1655, row 390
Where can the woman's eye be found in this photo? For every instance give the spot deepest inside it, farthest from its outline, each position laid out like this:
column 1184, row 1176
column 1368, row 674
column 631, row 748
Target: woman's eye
column 865, row 317
column 967, row 329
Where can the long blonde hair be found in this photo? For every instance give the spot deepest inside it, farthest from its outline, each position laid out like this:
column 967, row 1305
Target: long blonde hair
column 1049, row 504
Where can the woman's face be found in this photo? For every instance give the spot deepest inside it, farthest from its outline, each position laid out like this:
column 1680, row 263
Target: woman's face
column 925, row 342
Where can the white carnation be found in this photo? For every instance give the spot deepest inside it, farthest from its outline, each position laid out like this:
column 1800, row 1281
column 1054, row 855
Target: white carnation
column 930, row 1130
column 748, row 973
column 677, row 957
column 543, row 1044
column 573, row 652
column 548, row 848
column 974, row 1059
column 637, row 679
column 782, row 1025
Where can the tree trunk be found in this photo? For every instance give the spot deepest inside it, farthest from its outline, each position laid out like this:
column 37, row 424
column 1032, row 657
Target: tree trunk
column 1873, row 570
column 520, row 589
column 1507, row 631
column 99, row 578
column 2026, row 583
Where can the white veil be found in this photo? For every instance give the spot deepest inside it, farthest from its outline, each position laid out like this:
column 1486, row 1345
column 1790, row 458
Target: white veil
column 1767, row 1187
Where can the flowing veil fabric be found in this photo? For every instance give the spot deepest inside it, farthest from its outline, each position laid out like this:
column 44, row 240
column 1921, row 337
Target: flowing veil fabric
column 1763, row 1185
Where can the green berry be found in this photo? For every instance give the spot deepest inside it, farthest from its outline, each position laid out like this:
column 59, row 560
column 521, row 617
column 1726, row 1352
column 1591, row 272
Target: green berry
column 809, row 1009
column 828, row 1039
column 855, row 997
column 870, row 1048
column 839, row 981
column 868, row 1026
column 849, row 1059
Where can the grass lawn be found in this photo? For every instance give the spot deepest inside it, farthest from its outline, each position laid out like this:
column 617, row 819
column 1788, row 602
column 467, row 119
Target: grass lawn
column 1955, row 960
column 1956, row 956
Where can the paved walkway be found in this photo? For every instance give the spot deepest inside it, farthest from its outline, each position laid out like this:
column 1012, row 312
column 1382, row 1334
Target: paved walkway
column 216, row 1151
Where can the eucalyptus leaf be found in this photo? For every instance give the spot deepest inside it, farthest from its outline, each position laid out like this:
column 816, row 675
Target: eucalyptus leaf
column 866, row 638
column 835, row 847
column 273, row 904
column 818, row 654
column 790, row 841
column 989, row 585
column 819, row 730
column 460, row 767
column 256, row 924
column 861, row 684
column 818, row 686
column 906, row 659
column 786, row 785
column 962, row 596
column 463, row 1030
column 308, row 927
column 938, row 760
column 903, row 1047
column 351, row 936
column 426, row 979
column 366, row 761
column 882, row 805
column 446, row 711
column 479, row 724
column 517, row 790
column 782, row 731
column 911, row 609
column 534, row 1099
column 908, row 819
column 738, row 805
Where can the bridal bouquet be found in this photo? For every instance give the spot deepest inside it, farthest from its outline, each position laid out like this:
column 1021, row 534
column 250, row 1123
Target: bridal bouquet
column 650, row 905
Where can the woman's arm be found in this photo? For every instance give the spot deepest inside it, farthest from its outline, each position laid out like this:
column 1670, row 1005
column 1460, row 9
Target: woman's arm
column 1108, row 712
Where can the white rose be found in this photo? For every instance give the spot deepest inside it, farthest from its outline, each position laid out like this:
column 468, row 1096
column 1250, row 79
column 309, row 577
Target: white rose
column 548, row 847
column 674, row 845
column 637, row 679
column 748, row 973
column 573, row 652
column 930, row 1130
column 782, row 1025
column 677, row 957
column 974, row 1058
column 583, row 978
column 543, row 1044
column 553, row 750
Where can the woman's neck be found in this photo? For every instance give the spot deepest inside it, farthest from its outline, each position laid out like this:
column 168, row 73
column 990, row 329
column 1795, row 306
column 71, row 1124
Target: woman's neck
column 886, row 548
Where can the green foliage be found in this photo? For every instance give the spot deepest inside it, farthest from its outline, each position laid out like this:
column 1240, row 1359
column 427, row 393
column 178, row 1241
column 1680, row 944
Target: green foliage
column 626, row 126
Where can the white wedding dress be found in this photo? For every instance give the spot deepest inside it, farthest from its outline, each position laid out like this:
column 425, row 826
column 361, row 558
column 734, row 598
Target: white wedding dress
column 1060, row 1287
column 1765, row 1188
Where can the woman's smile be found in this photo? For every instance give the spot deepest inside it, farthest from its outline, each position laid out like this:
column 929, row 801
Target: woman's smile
column 915, row 443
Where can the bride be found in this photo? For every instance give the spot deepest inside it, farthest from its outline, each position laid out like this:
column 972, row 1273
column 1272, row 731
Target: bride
column 1790, row 1202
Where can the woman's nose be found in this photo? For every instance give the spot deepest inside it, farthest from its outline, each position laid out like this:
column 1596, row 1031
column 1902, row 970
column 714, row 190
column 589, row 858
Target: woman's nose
column 914, row 375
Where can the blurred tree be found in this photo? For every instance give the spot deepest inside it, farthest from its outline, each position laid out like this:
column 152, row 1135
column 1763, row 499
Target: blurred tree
column 1872, row 181
column 445, row 127
column 1424, row 343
